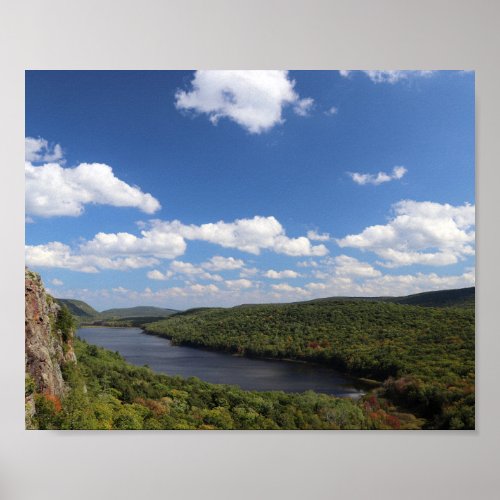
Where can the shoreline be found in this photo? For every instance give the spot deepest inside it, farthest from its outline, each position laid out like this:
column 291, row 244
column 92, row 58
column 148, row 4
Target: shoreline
column 363, row 385
column 366, row 384
column 364, row 381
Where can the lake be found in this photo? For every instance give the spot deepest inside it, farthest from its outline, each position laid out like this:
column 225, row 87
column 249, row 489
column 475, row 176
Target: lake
column 161, row 356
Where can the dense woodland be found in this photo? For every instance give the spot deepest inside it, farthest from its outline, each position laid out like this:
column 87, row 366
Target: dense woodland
column 423, row 355
column 423, row 358
column 105, row 392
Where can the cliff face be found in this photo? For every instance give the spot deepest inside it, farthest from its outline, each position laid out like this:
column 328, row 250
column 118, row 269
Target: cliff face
column 47, row 347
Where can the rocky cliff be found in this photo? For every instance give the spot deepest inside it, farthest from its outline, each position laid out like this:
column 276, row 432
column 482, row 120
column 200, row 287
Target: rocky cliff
column 48, row 346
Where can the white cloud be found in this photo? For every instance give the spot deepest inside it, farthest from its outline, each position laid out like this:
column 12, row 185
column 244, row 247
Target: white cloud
column 39, row 150
column 322, row 275
column 253, row 99
column 389, row 76
column 158, row 275
column 248, row 272
column 315, row 236
column 390, row 285
column 247, row 235
column 167, row 240
column 362, row 179
column 304, row 106
column 420, row 233
column 238, row 284
column 349, row 266
column 332, row 111
column 201, row 289
column 157, row 241
column 59, row 255
column 344, row 266
column 285, row 288
column 189, row 269
column 52, row 190
column 57, row 282
column 316, row 287
column 276, row 275
column 307, row 263
column 218, row 263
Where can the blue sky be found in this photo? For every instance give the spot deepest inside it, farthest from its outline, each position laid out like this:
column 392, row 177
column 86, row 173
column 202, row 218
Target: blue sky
column 284, row 185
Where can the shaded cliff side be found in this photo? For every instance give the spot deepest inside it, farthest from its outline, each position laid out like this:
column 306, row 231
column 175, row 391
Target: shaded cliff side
column 49, row 334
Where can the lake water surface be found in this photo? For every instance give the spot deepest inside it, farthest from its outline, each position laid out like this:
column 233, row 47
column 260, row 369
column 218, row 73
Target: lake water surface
column 160, row 355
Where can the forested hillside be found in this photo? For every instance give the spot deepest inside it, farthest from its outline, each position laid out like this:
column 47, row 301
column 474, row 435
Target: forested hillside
column 460, row 297
column 424, row 355
column 78, row 308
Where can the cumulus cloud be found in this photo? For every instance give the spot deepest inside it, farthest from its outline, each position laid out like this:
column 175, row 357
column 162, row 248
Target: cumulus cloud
column 248, row 272
column 276, row 275
column 315, row 236
column 158, row 275
column 379, row 178
column 201, row 289
column 157, row 241
column 59, row 255
column 285, row 288
column 238, row 284
column 247, row 235
column 344, row 266
column 316, row 287
column 307, row 263
column 39, row 150
column 349, row 266
column 167, row 240
column 189, row 269
column 332, row 111
column 389, row 76
column 52, row 190
column 390, row 285
column 304, row 106
column 57, row 282
column 218, row 263
column 420, row 233
column 252, row 99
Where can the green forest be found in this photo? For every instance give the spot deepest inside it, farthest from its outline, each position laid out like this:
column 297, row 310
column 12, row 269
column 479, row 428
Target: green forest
column 107, row 393
column 423, row 356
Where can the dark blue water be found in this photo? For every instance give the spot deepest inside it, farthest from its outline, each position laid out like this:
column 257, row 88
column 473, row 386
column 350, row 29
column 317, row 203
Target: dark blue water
column 220, row 368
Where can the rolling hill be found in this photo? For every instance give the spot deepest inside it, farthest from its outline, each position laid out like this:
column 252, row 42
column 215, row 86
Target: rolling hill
column 135, row 312
column 79, row 308
column 424, row 356
column 460, row 297
column 86, row 313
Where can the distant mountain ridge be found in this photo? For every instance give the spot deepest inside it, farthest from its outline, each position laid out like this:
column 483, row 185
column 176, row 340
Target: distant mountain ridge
column 85, row 312
column 457, row 297
column 78, row 308
column 138, row 311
